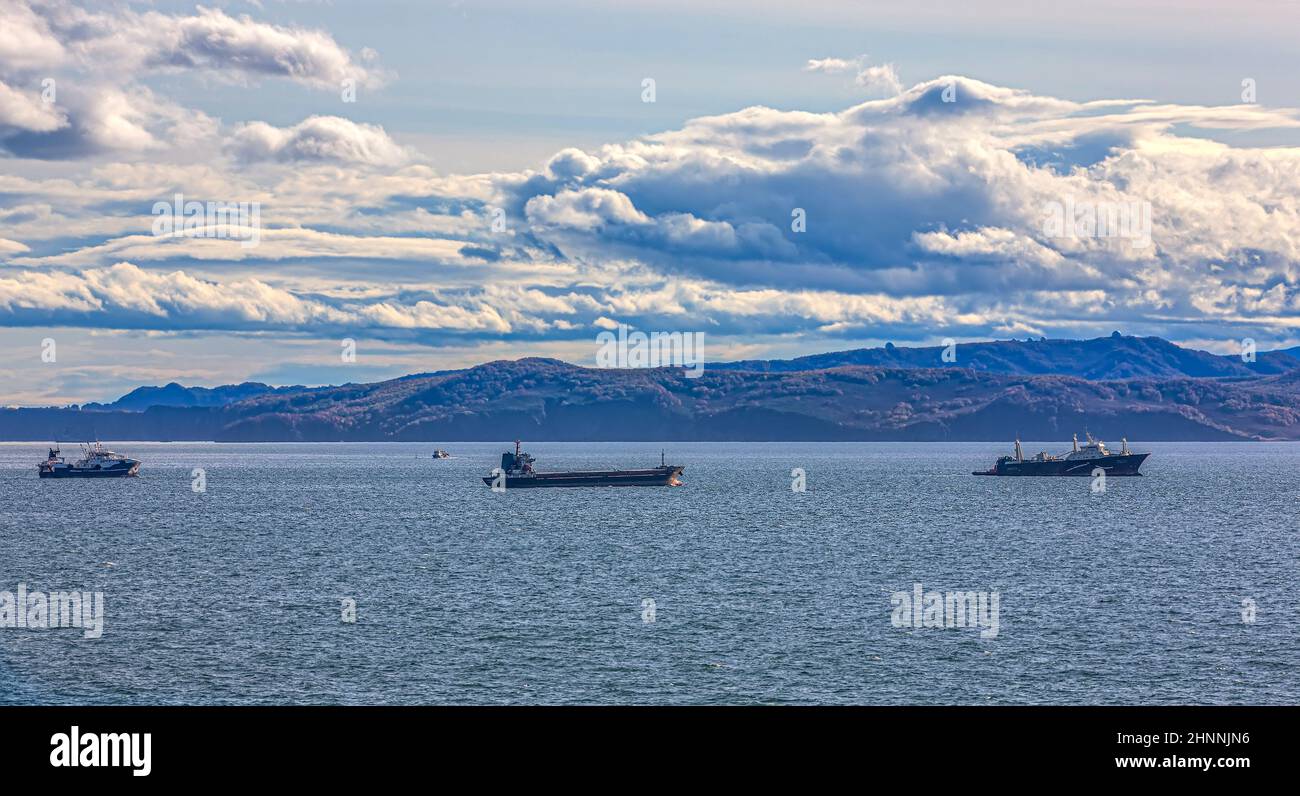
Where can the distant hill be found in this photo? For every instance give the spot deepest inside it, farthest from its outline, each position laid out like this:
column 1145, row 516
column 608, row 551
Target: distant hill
column 173, row 394
column 1282, row 359
column 1114, row 357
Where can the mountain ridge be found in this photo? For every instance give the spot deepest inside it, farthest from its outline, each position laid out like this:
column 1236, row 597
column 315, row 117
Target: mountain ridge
column 548, row 399
column 1097, row 359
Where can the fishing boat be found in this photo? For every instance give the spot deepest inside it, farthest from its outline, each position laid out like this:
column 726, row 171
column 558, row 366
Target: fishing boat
column 96, row 462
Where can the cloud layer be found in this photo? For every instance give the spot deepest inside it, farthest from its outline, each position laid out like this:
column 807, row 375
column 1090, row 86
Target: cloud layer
column 925, row 213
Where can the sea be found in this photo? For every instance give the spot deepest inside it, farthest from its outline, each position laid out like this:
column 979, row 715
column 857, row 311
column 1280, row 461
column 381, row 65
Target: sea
column 371, row 573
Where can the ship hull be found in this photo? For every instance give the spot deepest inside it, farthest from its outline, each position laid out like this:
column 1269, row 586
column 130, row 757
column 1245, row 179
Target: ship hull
column 73, row 472
column 1119, row 464
column 658, row 476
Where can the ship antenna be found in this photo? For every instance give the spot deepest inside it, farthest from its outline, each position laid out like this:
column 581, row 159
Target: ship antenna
column 661, row 458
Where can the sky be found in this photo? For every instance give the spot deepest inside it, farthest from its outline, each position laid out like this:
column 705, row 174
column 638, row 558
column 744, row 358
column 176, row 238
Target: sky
column 449, row 183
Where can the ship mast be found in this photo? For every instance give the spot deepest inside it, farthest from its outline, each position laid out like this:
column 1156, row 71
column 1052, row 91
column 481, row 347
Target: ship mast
column 1020, row 454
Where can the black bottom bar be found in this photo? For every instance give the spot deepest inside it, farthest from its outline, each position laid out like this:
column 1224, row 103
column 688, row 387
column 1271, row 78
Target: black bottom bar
column 327, row 744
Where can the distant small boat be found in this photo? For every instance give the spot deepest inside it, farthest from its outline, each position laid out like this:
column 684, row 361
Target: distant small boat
column 1080, row 461
column 441, row 454
column 517, row 472
column 97, row 462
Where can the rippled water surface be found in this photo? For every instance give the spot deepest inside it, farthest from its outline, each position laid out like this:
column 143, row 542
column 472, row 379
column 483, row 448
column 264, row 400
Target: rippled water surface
column 761, row 594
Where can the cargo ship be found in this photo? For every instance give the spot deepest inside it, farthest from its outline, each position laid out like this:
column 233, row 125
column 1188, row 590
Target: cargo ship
column 96, row 462
column 1080, row 461
column 516, row 472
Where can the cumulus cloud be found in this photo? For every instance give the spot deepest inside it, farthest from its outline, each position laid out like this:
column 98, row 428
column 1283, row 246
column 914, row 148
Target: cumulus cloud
column 587, row 209
column 106, row 119
column 212, row 40
column 96, row 60
column 26, row 41
column 209, row 40
column 318, row 138
column 942, row 190
column 25, row 111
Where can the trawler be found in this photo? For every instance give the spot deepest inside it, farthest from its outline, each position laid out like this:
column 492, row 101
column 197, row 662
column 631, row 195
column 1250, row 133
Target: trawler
column 96, row 462
column 517, row 471
column 1080, row 461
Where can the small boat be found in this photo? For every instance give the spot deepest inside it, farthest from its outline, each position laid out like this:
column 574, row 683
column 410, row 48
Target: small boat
column 1080, row 461
column 96, row 462
column 517, row 472
column 441, row 454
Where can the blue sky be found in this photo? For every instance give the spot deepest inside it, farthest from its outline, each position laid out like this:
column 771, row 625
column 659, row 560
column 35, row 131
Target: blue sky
column 924, row 218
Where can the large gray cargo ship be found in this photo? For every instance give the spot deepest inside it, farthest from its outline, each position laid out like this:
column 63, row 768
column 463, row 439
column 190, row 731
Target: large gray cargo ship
column 516, row 472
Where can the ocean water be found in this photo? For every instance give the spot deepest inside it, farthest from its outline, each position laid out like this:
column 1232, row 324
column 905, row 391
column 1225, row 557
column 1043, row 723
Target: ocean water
column 761, row 594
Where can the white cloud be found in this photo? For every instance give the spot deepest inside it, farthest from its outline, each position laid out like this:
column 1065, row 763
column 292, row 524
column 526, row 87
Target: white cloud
column 8, row 247
column 26, row 42
column 588, row 209
column 318, row 138
column 209, row 40
column 832, row 64
column 138, row 299
column 882, row 76
column 918, row 195
column 26, row 111
column 988, row 243
column 273, row 244
column 875, row 77
column 212, row 40
column 97, row 60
